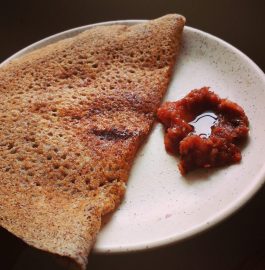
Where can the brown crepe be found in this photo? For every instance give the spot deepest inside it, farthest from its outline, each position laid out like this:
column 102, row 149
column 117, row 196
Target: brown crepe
column 73, row 115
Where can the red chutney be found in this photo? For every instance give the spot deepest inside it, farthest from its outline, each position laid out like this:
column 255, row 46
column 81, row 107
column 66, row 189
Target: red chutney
column 221, row 147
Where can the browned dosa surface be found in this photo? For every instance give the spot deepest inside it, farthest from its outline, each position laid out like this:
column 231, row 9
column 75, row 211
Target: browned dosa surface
column 73, row 115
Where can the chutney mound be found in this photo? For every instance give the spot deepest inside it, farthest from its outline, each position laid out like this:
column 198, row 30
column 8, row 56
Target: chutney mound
column 221, row 147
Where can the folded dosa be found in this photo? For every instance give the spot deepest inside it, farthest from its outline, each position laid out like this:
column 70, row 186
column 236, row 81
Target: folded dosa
column 73, row 115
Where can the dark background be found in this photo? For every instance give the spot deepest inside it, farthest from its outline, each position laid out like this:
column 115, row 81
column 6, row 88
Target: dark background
column 235, row 244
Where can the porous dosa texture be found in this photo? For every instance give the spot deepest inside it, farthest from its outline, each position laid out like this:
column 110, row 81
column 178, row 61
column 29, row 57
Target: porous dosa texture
column 73, row 115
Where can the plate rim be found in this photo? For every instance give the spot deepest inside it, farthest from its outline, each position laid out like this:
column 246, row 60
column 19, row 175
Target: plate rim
column 222, row 215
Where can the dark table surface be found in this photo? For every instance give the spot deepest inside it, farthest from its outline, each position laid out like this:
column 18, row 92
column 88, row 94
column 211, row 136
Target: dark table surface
column 236, row 243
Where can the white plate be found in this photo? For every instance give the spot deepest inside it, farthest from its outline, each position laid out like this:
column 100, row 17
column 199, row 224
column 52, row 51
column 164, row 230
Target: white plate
column 162, row 207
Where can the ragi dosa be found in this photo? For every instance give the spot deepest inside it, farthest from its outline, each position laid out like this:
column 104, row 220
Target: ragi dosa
column 73, row 115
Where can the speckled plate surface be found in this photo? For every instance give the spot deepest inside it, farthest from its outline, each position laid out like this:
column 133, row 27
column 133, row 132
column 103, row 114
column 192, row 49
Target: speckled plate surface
column 161, row 206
